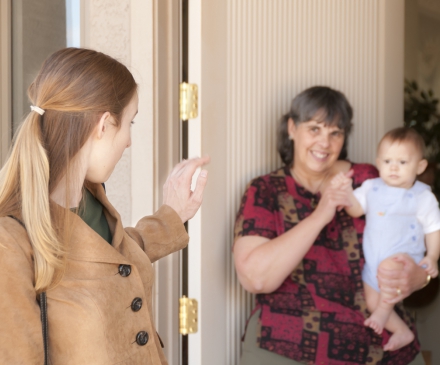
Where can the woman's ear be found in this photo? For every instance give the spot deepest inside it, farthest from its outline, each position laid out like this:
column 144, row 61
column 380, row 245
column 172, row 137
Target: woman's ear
column 102, row 125
column 423, row 164
column 291, row 128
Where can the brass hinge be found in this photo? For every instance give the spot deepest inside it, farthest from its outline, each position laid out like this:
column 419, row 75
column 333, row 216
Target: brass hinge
column 188, row 101
column 188, row 315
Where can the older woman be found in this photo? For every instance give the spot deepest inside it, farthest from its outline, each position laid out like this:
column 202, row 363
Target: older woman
column 302, row 255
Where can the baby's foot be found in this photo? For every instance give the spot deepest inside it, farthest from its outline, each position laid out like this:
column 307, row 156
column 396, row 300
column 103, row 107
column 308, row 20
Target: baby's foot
column 378, row 319
column 399, row 339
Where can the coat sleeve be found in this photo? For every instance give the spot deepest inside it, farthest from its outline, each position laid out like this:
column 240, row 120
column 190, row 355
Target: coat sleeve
column 160, row 234
column 21, row 339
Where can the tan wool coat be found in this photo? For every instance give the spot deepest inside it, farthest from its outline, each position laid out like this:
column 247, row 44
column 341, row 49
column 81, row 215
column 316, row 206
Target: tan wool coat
column 94, row 314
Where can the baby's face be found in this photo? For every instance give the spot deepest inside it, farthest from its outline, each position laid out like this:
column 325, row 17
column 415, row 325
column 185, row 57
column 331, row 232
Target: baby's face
column 399, row 163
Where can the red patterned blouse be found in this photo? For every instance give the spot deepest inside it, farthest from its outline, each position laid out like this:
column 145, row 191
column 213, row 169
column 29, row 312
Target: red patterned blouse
column 316, row 316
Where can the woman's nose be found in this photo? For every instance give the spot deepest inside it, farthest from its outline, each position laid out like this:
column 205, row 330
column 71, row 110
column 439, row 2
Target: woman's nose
column 324, row 140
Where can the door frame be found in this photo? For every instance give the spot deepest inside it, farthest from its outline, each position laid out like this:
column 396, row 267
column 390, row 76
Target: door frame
column 167, row 153
column 207, row 254
column 5, row 79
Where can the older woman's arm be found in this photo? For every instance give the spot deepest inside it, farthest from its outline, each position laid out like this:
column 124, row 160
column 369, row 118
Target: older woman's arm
column 262, row 264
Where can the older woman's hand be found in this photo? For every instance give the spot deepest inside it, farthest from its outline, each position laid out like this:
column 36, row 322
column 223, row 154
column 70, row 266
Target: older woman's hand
column 331, row 199
column 401, row 283
column 177, row 191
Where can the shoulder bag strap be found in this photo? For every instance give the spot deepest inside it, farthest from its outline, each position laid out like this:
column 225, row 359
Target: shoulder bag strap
column 43, row 312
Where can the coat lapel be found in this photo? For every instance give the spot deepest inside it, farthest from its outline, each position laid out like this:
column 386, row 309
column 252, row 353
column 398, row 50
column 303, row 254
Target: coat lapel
column 87, row 245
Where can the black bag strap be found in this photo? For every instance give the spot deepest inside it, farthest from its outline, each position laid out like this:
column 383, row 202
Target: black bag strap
column 43, row 312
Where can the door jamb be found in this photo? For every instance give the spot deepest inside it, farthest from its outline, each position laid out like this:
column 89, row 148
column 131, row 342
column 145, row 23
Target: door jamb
column 5, row 79
column 167, row 150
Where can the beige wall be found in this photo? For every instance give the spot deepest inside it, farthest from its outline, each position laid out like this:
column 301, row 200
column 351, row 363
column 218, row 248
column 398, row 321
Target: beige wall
column 411, row 38
column 38, row 29
column 107, row 29
column 124, row 30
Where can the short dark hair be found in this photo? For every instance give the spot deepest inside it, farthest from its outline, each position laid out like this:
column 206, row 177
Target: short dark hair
column 405, row 134
column 328, row 105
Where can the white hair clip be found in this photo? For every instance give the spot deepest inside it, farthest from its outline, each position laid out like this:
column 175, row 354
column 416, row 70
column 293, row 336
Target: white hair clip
column 37, row 109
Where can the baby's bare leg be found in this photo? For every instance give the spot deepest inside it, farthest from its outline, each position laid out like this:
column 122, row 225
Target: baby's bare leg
column 402, row 335
column 383, row 314
column 380, row 310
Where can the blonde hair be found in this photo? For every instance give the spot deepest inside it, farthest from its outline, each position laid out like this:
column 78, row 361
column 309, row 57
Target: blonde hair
column 74, row 87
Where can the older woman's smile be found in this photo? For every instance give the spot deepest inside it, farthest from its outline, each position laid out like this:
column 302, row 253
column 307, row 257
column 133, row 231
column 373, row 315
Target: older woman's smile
column 316, row 145
column 320, row 155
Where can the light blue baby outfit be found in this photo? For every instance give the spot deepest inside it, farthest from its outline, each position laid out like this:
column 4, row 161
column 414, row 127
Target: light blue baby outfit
column 392, row 223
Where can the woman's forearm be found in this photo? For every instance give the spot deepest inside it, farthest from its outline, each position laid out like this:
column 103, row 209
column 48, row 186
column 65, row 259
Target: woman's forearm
column 262, row 264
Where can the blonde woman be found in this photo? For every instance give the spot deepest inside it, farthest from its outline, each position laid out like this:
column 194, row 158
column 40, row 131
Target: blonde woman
column 60, row 235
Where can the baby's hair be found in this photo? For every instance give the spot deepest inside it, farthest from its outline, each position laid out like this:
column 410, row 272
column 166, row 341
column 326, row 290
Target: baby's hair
column 405, row 134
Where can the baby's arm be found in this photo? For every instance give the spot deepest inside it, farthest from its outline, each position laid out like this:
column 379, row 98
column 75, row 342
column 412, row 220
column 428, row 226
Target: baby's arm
column 341, row 181
column 432, row 241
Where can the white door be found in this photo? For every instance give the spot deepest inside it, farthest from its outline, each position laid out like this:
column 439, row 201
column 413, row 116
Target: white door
column 249, row 59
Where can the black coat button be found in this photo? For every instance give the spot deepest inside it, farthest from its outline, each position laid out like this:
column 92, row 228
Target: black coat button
column 142, row 338
column 136, row 304
column 124, row 270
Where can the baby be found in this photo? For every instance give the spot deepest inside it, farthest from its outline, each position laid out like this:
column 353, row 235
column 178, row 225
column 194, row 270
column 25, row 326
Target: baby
column 402, row 215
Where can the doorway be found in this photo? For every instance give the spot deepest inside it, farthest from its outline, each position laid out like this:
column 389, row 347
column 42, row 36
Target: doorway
column 249, row 59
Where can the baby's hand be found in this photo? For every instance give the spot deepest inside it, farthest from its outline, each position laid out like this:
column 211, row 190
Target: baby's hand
column 341, row 181
column 430, row 265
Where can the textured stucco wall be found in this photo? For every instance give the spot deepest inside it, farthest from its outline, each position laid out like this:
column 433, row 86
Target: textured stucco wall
column 38, row 30
column 107, row 29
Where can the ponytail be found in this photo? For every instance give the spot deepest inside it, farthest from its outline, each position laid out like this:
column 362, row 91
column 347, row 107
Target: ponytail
column 28, row 169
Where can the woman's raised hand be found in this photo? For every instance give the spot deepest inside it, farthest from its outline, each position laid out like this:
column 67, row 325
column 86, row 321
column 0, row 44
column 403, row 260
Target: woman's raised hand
column 177, row 191
column 334, row 197
column 343, row 181
column 331, row 199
